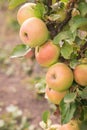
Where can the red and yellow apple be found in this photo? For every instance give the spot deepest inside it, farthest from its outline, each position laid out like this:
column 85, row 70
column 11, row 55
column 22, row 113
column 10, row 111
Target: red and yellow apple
column 59, row 77
column 72, row 125
column 80, row 74
column 47, row 54
column 26, row 11
column 34, row 32
column 55, row 96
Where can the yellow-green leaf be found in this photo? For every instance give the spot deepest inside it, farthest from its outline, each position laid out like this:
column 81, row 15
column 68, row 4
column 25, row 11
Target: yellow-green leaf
column 14, row 3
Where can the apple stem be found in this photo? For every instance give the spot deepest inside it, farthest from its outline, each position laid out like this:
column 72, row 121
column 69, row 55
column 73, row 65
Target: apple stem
column 54, row 76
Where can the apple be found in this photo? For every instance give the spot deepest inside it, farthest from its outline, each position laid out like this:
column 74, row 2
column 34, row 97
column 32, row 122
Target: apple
column 59, row 77
column 55, row 96
column 34, row 32
column 47, row 54
column 80, row 74
column 54, row 127
column 72, row 125
column 26, row 11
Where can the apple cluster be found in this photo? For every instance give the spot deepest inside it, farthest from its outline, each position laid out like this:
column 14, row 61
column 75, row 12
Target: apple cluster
column 35, row 34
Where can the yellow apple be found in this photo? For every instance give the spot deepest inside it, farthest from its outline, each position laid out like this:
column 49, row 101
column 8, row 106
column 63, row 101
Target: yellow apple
column 80, row 74
column 34, row 32
column 55, row 96
column 59, row 77
column 26, row 11
column 47, row 54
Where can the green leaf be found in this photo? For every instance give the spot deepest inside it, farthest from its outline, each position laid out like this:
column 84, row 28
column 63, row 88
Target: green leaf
column 64, row 107
column 82, row 8
column 76, row 22
column 14, row 3
column 86, row 53
column 70, row 113
column 45, row 116
column 40, row 10
column 83, row 125
column 65, row 1
column 20, row 50
column 85, row 113
column 84, row 93
column 66, row 50
column 73, row 63
column 70, row 97
column 53, row 2
column 54, row 17
column 64, row 35
column 67, row 111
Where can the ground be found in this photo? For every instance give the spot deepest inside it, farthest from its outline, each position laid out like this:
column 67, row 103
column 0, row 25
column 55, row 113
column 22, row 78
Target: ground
column 16, row 74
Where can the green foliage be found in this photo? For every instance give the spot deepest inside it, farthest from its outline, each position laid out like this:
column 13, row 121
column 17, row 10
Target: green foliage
column 66, row 50
column 14, row 3
column 70, row 105
column 68, row 108
column 45, row 116
column 20, row 51
column 83, row 8
column 70, row 98
column 64, row 1
column 46, row 122
column 64, row 35
column 77, row 22
column 83, row 93
column 73, row 63
column 83, row 125
column 40, row 10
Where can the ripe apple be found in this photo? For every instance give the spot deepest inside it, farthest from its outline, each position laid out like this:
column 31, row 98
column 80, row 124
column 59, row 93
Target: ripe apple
column 47, row 54
column 59, row 77
column 34, row 32
column 80, row 74
column 55, row 96
column 72, row 125
column 26, row 11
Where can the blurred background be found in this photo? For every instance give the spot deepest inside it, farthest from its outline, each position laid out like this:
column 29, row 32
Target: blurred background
column 22, row 80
